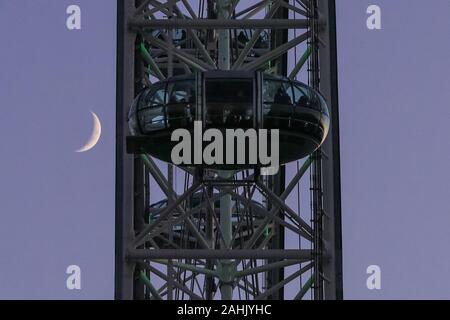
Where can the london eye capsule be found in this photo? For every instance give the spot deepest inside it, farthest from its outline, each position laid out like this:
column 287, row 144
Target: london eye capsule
column 228, row 100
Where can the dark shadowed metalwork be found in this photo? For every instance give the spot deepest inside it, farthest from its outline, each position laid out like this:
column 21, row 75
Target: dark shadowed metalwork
column 229, row 234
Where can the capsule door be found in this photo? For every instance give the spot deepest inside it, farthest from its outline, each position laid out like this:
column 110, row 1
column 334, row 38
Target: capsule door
column 229, row 103
column 180, row 107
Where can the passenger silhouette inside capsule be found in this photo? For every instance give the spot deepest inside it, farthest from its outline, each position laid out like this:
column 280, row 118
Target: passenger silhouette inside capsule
column 242, row 37
column 281, row 97
column 191, row 96
column 303, row 101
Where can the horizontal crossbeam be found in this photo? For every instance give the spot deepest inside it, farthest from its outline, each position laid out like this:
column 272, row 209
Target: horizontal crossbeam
column 219, row 23
column 142, row 254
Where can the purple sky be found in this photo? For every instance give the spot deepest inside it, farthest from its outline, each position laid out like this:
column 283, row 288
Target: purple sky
column 57, row 206
column 394, row 110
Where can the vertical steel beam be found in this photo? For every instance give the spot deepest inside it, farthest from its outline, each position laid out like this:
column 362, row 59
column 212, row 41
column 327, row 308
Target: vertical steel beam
column 332, row 267
column 224, row 63
column 124, row 162
column 138, row 219
column 277, row 183
column 139, row 171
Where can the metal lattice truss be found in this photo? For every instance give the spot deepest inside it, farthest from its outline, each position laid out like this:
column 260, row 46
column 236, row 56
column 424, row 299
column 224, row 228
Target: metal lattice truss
column 185, row 250
column 175, row 36
column 181, row 248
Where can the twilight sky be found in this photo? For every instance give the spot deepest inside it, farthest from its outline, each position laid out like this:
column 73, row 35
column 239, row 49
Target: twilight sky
column 394, row 110
column 57, row 206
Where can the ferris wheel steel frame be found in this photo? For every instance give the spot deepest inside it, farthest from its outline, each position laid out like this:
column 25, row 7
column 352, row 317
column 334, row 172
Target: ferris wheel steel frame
column 220, row 265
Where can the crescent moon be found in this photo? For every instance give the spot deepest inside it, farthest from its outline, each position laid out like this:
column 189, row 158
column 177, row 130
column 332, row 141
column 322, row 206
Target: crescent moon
column 95, row 136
